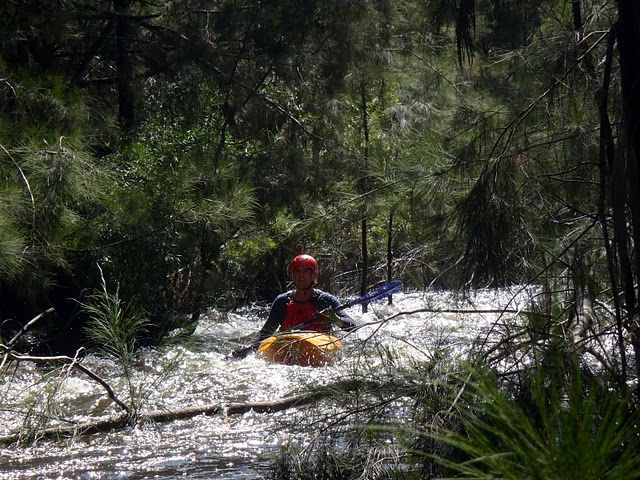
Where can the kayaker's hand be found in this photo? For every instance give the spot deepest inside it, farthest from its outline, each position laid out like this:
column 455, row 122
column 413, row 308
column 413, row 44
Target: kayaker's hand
column 243, row 352
column 329, row 315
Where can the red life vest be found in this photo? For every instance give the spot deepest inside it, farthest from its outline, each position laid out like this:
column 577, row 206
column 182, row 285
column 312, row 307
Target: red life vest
column 301, row 312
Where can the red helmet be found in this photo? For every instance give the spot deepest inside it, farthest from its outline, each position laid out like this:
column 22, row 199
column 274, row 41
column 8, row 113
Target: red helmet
column 304, row 261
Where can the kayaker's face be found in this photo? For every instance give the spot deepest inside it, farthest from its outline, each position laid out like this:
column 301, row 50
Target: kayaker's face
column 304, row 277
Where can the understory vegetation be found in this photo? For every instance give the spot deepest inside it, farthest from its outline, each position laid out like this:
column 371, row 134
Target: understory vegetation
column 530, row 400
column 159, row 159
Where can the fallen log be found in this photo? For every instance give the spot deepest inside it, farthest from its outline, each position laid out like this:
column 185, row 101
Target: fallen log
column 126, row 420
column 233, row 408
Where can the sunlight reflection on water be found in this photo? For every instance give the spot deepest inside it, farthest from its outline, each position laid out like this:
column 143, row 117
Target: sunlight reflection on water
column 197, row 373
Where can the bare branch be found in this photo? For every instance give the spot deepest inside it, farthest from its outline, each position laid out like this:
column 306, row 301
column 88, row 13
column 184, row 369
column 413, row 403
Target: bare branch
column 13, row 355
column 464, row 311
column 26, row 327
column 22, row 331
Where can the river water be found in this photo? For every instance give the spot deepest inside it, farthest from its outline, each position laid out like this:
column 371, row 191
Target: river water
column 199, row 373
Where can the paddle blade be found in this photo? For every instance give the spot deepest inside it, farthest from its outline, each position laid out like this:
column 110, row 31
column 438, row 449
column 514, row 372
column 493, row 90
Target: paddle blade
column 376, row 294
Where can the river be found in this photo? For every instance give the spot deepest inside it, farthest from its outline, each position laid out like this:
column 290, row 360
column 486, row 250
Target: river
column 199, row 373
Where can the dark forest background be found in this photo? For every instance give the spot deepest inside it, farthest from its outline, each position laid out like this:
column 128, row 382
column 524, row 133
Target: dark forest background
column 184, row 151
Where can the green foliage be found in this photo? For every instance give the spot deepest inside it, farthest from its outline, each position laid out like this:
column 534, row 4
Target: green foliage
column 225, row 144
column 372, row 410
column 588, row 433
column 261, row 129
column 175, row 204
column 114, row 327
column 12, row 244
column 492, row 224
column 440, row 419
column 329, row 459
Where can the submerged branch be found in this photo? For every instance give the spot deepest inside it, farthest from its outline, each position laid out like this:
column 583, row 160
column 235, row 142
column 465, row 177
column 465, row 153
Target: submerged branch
column 457, row 310
column 163, row 417
column 234, row 408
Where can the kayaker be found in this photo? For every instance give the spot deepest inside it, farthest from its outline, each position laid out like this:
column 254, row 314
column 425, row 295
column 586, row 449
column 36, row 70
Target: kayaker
column 303, row 305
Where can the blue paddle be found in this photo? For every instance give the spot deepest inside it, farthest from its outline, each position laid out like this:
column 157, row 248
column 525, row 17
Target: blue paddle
column 379, row 293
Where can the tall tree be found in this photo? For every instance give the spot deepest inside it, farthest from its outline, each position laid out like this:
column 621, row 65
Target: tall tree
column 619, row 185
column 625, row 173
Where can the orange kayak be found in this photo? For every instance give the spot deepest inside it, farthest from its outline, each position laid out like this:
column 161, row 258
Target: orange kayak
column 311, row 349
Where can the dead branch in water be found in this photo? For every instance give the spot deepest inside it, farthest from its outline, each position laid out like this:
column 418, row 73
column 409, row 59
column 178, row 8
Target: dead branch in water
column 467, row 311
column 11, row 343
column 73, row 362
column 26, row 327
column 130, row 418
column 125, row 420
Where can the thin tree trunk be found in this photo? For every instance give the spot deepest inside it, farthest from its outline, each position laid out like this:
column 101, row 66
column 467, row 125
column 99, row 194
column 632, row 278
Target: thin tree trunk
column 205, row 265
column 123, row 63
column 629, row 53
column 607, row 154
column 577, row 16
column 365, row 261
column 365, row 163
column 390, row 252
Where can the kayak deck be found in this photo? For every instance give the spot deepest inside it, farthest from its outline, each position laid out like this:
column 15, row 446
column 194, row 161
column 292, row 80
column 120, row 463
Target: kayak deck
column 312, row 349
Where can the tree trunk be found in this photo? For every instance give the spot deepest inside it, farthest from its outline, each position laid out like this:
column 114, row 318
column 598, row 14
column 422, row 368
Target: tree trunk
column 390, row 252
column 628, row 36
column 607, row 159
column 123, row 63
column 365, row 163
column 365, row 260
